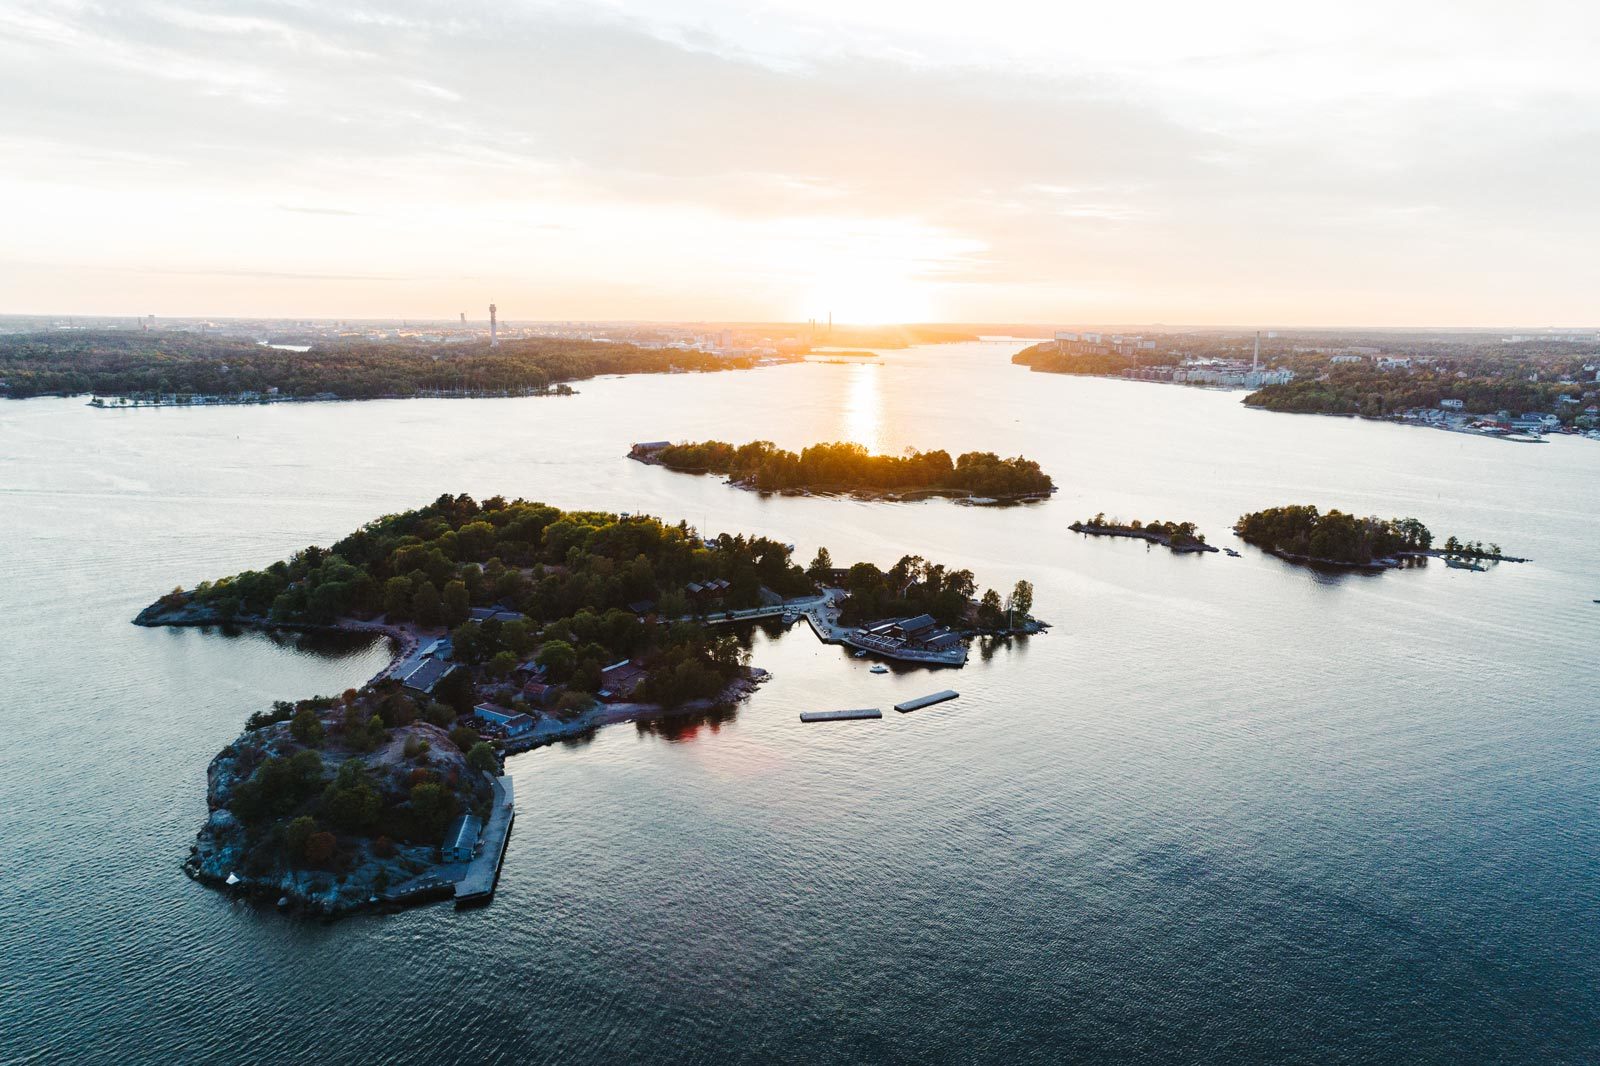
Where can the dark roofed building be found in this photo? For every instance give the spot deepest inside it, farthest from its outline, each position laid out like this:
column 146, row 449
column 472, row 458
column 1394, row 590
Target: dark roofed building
column 515, row 723
column 495, row 614
column 916, row 629
column 425, row 676
column 620, row 680
column 461, row 838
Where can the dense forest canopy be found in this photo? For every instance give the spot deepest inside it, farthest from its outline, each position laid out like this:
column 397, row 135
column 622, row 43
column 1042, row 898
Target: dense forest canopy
column 848, row 466
column 1333, row 536
column 914, row 586
column 572, row 574
column 133, row 364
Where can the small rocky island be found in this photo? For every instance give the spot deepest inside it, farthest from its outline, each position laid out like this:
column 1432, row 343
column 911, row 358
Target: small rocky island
column 1181, row 537
column 1303, row 534
column 849, row 469
column 516, row 624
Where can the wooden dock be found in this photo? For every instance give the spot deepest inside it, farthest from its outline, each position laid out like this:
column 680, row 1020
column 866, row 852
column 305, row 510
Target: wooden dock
column 840, row 716
column 926, row 701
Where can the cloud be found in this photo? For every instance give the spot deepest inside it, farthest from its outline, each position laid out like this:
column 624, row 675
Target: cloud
column 1013, row 158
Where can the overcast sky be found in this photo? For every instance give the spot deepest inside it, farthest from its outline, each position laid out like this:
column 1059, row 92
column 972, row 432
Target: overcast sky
column 1405, row 162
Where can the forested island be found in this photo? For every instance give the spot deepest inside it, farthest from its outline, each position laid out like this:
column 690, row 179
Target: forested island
column 517, row 624
column 187, row 367
column 1181, row 537
column 1302, row 533
column 851, row 469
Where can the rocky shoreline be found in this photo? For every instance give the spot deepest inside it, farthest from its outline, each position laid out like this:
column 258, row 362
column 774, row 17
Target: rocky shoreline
column 225, row 856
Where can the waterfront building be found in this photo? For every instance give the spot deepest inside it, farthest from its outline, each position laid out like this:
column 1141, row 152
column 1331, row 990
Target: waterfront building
column 514, row 723
column 461, row 838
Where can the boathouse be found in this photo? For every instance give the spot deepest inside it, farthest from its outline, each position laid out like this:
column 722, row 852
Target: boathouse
column 461, row 838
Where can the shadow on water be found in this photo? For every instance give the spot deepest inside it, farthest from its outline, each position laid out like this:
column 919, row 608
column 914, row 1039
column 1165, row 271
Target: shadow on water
column 323, row 643
column 689, row 725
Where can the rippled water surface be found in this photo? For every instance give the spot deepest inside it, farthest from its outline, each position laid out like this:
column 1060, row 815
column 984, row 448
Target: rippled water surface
column 1227, row 810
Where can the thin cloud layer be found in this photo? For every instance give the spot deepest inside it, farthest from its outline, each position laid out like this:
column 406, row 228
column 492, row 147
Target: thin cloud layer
column 713, row 162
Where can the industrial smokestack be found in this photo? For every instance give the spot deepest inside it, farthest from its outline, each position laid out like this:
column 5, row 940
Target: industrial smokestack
column 494, row 327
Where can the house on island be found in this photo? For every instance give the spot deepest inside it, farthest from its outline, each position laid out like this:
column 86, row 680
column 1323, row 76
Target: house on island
column 642, row 608
column 619, row 681
column 704, row 594
column 424, row 676
column 461, row 838
column 914, row 630
column 645, row 449
column 512, row 723
column 497, row 613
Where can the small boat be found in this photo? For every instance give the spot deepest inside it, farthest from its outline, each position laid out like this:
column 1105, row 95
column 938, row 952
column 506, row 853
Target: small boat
column 1231, row 552
column 880, row 669
column 861, row 655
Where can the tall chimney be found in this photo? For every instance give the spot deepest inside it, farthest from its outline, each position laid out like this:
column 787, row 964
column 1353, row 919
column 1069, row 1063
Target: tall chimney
column 494, row 327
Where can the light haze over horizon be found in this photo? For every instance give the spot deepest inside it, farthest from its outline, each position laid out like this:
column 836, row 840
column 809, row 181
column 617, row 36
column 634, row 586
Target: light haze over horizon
column 1365, row 164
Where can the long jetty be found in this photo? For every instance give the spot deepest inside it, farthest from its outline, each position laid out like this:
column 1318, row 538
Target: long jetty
column 483, row 872
column 840, row 716
column 926, row 701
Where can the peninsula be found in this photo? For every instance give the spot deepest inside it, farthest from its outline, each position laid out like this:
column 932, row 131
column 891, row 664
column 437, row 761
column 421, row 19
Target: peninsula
column 516, row 624
column 130, row 368
column 849, row 469
column 1181, row 537
column 1303, row 534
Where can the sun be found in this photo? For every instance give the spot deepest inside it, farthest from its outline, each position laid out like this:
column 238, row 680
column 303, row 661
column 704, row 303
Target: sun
column 867, row 297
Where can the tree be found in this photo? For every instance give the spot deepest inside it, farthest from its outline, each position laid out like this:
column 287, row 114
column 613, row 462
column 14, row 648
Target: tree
column 426, row 605
column 307, row 727
column 320, row 848
column 990, row 614
column 558, row 658
column 397, row 598
column 456, row 603
column 1021, row 600
column 820, row 566
column 296, row 835
column 431, row 807
column 482, row 757
column 502, row 665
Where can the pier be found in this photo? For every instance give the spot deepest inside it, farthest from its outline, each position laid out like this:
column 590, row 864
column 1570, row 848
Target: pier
column 926, row 701
column 840, row 716
column 477, row 885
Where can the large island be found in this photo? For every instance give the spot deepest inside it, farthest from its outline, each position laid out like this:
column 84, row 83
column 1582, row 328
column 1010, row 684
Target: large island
column 848, row 468
column 516, row 624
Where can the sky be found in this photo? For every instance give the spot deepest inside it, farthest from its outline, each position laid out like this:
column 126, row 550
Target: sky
column 1408, row 162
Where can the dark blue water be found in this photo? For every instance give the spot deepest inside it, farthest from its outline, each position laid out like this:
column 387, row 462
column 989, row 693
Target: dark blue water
column 1228, row 810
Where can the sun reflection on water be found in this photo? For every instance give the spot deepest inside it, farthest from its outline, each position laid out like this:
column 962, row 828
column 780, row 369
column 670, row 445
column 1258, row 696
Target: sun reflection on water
column 863, row 410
